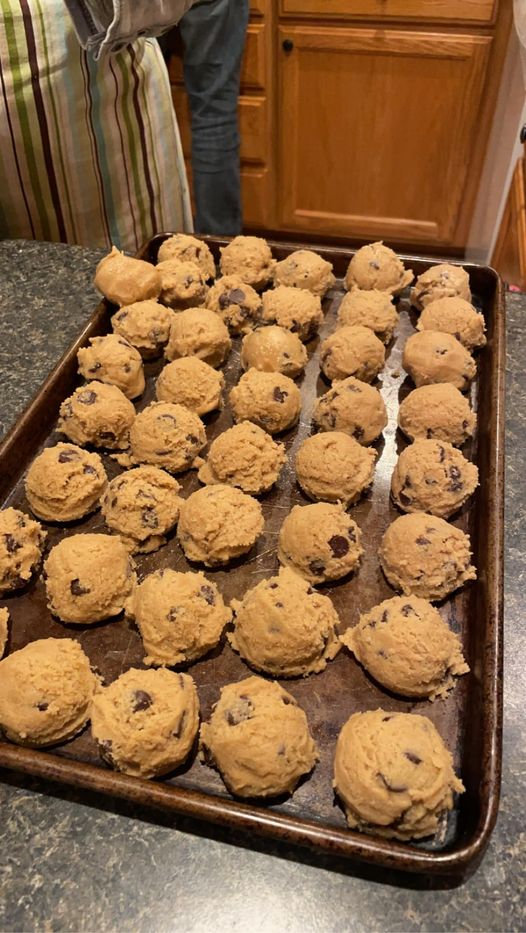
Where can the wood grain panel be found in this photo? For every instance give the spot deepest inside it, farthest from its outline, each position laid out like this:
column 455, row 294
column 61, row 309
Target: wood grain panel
column 253, row 67
column 509, row 255
column 376, row 130
column 426, row 11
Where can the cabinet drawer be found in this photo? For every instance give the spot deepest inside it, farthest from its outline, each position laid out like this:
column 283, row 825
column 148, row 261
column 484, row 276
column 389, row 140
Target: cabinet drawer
column 252, row 125
column 259, row 7
column 253, row 66
column 469, row 11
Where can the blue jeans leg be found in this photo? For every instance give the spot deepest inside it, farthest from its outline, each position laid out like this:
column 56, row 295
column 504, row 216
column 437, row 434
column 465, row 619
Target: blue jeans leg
column 214, row 33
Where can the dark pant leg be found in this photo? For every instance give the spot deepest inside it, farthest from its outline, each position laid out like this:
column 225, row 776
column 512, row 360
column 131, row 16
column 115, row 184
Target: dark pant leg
column 213, row 33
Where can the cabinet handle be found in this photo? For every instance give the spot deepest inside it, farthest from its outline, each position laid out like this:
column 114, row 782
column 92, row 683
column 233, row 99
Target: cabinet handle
column 287, row 45
column 522, row 134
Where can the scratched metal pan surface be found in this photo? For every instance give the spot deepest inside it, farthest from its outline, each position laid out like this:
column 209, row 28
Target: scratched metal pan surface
column 469, row 719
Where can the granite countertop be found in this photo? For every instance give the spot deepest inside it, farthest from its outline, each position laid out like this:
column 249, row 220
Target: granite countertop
column 73, row 861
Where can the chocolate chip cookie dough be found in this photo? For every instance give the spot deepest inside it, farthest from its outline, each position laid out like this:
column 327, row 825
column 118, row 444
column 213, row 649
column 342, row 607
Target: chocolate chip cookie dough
column 244, row 456
column 145, row 325
column 376, row 266
column 274, row 349
column 183, row 284
column 305, row 269
column 441, row 281
column 372, row 309
column 258, row 739
column 123, row 280
column 334, row 467
column 437, row 411
column 407, row 647
column 88, row 578
column 199, row 332
column 432, row 476
column 21, row 544
column 431, row 356
column 188, row 248
column 320, row 542
column 353, row 407
column 455, row 316
column 191, row 382
column 394, row 774
column 4, row 631
column 142, row 506
column 294, row 309
column 46, row 691
column 97, row 414
column 270, row 400
column 219, row 523
column 238, row 304
column 64, row 483
column 425, row 556
column 284, row 627
column 352, row 350
column 250, row 258
column 146, row 722
column 168, row 436
column 112, row 359
column 181, row 616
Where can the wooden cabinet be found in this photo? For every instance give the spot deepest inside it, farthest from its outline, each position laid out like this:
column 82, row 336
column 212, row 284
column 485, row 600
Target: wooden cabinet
column 425, row 11
column 509, row 255
column 376, row 130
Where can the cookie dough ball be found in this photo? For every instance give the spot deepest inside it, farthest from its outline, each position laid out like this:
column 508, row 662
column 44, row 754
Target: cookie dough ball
column 372, row 309
column 284, row 627
column 376, row 266
column 425, row 556
column 21, row 543
column 46, row 691
column 123, row 280
column 181, row 616
column 354, row 407
column 142, row 506
column 271, row 400
column 320, row 542
column 305, row 269
column 294, row 309
column 455, row 316
column 167, row 435
column 244, row 456
column 334, row 467
column 64, row 483
column 407, row 647
column 145, row 325
column 219, row 523
column 88, row 578
column 437, row 411
column 273, row 350
column 112, row 359
column 432, row 356
column 182, row 284
column 4, row 632
column 188, row 248
column 145, row 722
column 199, row 332
column 394, row 774
column 258, row 739
column 192, row 383
column 249, row 258
column 352, row 351
column 97, row 414
column 433, row 476
column 237, row 303
column 441, row 281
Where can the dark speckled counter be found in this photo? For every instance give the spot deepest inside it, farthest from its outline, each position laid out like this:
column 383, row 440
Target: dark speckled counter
column 73, row 861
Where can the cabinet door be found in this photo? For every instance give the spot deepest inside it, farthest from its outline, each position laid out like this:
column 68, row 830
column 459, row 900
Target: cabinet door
column 377, row 128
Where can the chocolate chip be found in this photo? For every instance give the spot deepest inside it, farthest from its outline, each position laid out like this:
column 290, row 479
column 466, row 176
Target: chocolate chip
column 385, row 615
column 77, row 589
column 358, row 432
column 404, row 498
column 192, row 439
column 89, row 469
column 181, row 681
column 141, row 701
column 66, row 456
column 88, row 397
column 422, row 540
column 441, row 351
column 338, row 545
column 172, row 614
column 243, row 711
column 456, row 479
column 42, row 707
column 286, row 356
column 382, row 653
column 127, row 368
column 288, row 701
column 351, row 534
column 464, row 425
column 121, row 316
column 234, row 296
column 386, row 718
column 281, row 750
column 350, row 388
column 279, row 395
column 208, row 594
column 94, row 368
column 407, row 610
column 11, row 544
column 163, row 453
column 429, row 433
column 442, row 455
column 407, row 482
column 310, row 591
column 179, row 729
column 413, row 758
column 167, row 417
column 374, row 264
column 279, row 605
column 395, row 789
column 189, row 280
column 273, row 586
column 372, row 624
column 316, row 567
column 149, row 517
